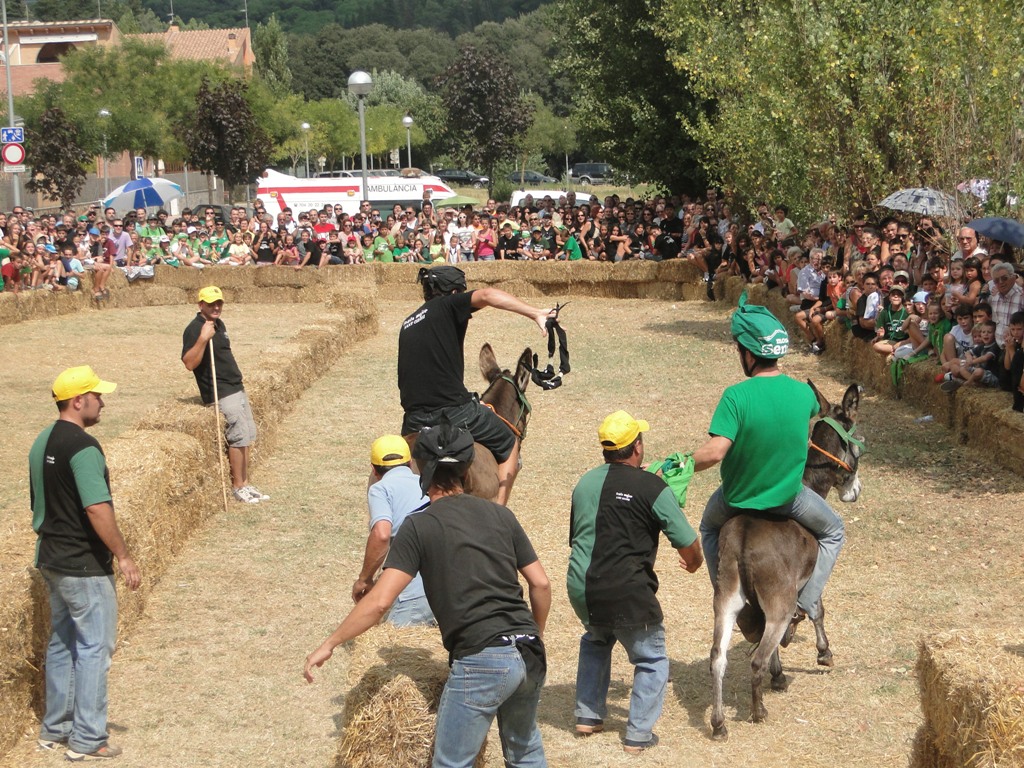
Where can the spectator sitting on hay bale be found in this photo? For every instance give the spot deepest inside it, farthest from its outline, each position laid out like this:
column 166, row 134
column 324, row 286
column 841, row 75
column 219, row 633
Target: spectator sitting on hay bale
column 493, row 638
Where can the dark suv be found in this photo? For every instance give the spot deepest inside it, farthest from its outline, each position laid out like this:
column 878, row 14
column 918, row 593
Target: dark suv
column 591, row 173
column 462, row 178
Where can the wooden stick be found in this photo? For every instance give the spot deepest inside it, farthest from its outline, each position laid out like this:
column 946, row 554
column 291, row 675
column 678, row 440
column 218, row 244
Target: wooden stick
column 220, row 434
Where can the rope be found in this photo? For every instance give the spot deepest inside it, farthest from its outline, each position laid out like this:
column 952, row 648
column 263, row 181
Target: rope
column 836, row 459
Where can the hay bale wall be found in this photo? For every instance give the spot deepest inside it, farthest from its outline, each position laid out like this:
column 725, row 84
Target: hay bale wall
column 396, row 677
column 165, row 484
column 972, row 698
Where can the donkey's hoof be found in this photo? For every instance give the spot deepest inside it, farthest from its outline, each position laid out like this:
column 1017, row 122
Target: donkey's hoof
column 825, row 658
column 760, row 715
column 780, row 683
column 720, row 733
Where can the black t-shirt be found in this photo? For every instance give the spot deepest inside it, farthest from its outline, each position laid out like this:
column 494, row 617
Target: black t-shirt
column 68, row 473
column 469, row 552
column 667, row 246
column 265, row 250
column 865, row 334
column 229, row 378
column 508, row 247
column 431, row 367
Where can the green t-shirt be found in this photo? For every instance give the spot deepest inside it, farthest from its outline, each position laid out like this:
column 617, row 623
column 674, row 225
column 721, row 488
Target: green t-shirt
column 937, row 331
column 892, row 322
column 572, row 248
column 767, row 419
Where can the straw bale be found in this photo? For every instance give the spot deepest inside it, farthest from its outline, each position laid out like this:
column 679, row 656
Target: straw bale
column 984, row 417
column 972, row 698
column 920, row 390
column 21, row 617
column 397, row 675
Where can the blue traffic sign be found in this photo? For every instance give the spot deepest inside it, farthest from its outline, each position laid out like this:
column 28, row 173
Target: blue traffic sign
column 12, row 135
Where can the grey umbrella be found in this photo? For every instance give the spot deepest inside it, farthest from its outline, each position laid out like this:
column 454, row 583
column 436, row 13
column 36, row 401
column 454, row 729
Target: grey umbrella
column 999, row 228
column 927, row 202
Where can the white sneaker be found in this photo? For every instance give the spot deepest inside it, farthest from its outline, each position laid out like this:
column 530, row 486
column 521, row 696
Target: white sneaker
column 254, row 491
column 246, row 496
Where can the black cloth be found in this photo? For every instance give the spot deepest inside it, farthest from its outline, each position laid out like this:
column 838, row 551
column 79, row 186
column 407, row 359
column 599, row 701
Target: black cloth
column 864, row 334
column 508, row 247
column 229, row 378
column 431, row 367
column 67, row 541
column 667, row 246
column 265, row 249
column 469, row 552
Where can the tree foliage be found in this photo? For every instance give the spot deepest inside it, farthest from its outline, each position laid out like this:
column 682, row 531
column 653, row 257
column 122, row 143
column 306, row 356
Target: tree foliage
column 56, row 160
column 270, row 47
column 487, row 118
column 223, row 137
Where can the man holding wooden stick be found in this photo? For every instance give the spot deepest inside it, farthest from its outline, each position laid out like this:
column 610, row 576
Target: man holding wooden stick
column 220, row 384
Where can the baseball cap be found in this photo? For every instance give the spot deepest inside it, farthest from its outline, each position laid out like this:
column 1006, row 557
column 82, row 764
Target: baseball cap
column 389, row 451
column 619, row 429
column 93, row 231
column 77, row 381
column 210, row 294
column 165, row 239
column 921, row 297
column 898, row 289
column 758, row 330
column 191, row 230
column 897, row 275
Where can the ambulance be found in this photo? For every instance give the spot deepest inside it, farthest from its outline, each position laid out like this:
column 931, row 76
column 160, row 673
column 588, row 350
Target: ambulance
column 278, row 191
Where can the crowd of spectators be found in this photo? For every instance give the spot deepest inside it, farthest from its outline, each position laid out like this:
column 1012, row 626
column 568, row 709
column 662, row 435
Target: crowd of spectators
column 900, row 284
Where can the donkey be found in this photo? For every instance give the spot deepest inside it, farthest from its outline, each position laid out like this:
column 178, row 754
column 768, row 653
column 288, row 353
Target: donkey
column 765, row 561
column 506, row 396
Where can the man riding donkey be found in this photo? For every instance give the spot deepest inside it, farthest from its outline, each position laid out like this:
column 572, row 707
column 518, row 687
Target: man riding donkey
column 431, row 365
column 759, row 433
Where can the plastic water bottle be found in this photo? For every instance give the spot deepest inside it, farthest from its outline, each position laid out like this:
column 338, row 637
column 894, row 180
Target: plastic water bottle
column 924, row 419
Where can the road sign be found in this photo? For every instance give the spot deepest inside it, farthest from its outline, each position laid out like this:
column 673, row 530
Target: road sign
column 10, row 135
column 13, row 154
column 139, row 164
column 14, row 168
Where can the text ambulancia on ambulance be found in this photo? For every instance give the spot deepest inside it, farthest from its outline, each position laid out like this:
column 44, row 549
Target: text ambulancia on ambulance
column 278, row 191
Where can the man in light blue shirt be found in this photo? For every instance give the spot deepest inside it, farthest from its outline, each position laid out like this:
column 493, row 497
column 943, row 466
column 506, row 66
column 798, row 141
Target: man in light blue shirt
column 393, row 495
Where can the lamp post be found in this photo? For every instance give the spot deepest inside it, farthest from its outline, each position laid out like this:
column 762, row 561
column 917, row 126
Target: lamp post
column 15, row 183
column 407, row 122
column 359, row 84
column 104, row 115
column 305, row 138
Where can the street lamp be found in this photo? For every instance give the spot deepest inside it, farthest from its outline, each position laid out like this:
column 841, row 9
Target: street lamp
column 407, row 122
column 104, row 116
column 15, row 183
column 359, row 84
column 305, row 138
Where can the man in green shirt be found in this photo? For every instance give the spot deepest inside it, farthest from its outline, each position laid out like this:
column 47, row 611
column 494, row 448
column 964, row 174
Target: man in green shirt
column 759, row 433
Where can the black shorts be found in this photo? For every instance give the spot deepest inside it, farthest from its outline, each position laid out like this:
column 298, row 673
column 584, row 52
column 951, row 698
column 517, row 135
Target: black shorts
column 481, row 422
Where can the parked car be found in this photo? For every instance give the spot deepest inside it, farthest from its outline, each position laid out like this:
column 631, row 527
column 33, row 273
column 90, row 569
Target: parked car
column 461, row 178
column 530, row 177
column 591, row 173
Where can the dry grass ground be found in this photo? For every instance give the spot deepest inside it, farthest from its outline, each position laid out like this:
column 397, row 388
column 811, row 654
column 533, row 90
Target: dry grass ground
column 212, row 675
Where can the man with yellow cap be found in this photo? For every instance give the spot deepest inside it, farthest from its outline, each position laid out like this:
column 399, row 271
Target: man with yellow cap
column 393, row 495
column 618, row 510
column 73, row 514
column 239, row 425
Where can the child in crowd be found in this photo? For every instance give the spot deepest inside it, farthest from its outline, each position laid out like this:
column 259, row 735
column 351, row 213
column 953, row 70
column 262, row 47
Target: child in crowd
column 401, row 251
column 938, row 326
column 12, row 273
column 288, row 253
column 1013, row 359
column 917, row 326
column 437, row 249
column 891, row 324
column 957, row 342
column 980, row 364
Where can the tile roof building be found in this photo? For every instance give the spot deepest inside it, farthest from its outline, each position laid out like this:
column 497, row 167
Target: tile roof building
column 230, row 46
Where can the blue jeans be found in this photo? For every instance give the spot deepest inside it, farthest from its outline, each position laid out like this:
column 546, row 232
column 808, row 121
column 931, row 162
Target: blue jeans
column 83, row 614
column 412, row 613
column 645, row 647
column 808, row 509
column 493, row 681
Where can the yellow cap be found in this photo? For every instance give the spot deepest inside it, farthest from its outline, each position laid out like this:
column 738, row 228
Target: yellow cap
column 389, row 451
column 210, row 294
column 77, row 381
column 619, row 430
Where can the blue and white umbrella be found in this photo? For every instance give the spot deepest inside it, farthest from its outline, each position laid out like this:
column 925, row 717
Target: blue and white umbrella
column 923, row 201
column 142, row 193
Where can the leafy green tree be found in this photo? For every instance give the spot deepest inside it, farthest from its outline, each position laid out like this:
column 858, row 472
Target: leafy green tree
column 56, row 160
column 222, row 136
column 549, row 134
column 487, row 118
column 271, row 50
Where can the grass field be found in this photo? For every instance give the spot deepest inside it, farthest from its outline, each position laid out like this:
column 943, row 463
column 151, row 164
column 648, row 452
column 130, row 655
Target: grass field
column 212, row 674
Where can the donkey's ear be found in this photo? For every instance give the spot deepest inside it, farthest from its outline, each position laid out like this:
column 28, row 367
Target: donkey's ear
column 488, row 363
column 523, row 369
column 824, row 405
column 851, row 401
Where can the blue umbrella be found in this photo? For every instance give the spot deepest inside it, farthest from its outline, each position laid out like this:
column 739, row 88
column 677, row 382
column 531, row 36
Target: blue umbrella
column 999, row 228
column 142, row 193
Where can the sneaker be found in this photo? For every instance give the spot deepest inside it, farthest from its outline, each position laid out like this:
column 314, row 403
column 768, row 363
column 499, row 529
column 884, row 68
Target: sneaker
column 940, row 377
column 636, row 747
column 254, row 491
column 106, row 752
column 50, row 745
column 952, row 385
column 586, row 726
column 244, row 495
column 816, row 349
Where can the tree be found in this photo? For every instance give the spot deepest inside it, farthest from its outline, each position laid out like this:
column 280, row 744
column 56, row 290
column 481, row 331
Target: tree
column 271, row 50
column 487, row 118
column 222, row 136
column 56, row 160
